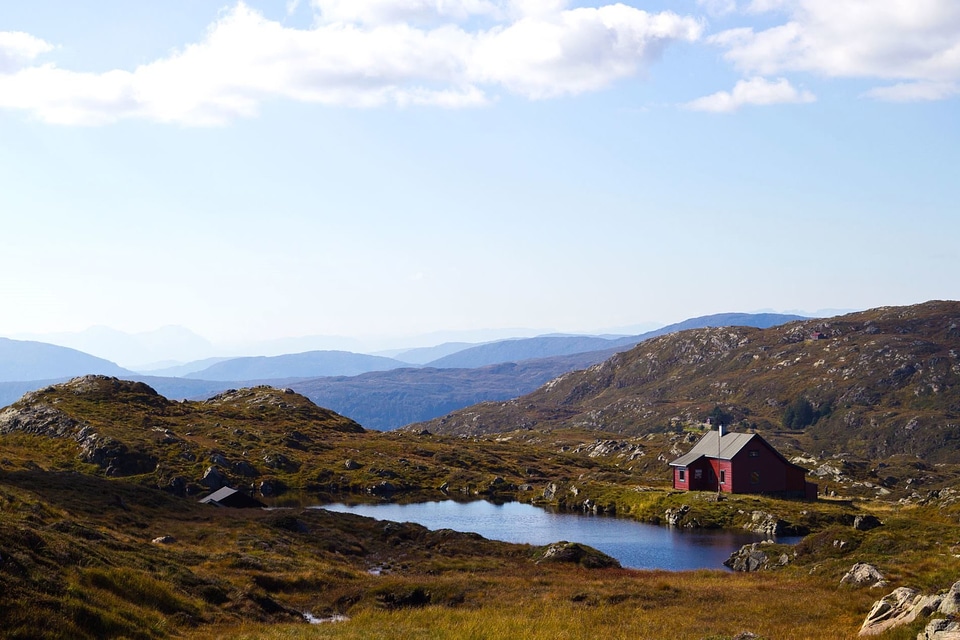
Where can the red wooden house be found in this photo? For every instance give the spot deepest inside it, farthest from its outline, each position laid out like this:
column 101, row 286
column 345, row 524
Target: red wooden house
column 742, row 463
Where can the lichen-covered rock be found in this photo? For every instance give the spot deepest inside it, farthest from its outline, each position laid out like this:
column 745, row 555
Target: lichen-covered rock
column 218, row 458
column 862, row 574
column 280, row 462
column 40, row 419
column 748, row 558
column 950, row 604
column 576, row 553
column 675, row 516
column 213, row 479
column 765, row 524
column 940, row 629
column 904, row 605
column 899, row 607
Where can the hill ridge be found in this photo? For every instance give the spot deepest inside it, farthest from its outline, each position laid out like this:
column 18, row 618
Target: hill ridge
column 882, row 381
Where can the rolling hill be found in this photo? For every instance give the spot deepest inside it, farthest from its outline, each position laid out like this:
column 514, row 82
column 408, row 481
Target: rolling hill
column 22, row 360
column 310, row 364
column 877, row 383
column 549, row 346
column 385, row 400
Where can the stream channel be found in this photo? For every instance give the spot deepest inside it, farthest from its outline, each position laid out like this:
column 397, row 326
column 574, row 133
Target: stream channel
column 635, row 544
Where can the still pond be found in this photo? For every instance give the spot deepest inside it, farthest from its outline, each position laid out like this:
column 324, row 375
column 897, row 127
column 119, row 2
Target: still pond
column 636, row 545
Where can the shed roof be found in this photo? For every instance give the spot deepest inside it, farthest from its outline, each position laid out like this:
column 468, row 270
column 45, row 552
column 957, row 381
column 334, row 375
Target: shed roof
column 228, row 497
column 730, row 445
column 218, row 495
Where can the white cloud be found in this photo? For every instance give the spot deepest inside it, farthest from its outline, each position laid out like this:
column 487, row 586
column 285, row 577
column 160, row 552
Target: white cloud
column 909, row 40
column 373, row 12
column 367, row 57
column 576, row 51
column 914, row 91
column 535, row 8
column 18, row 48
column 755, row 91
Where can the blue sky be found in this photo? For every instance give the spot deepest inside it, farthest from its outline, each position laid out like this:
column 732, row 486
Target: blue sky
column 396, row 167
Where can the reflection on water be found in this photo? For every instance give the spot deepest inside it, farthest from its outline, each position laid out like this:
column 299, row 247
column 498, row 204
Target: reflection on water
column 634, row 544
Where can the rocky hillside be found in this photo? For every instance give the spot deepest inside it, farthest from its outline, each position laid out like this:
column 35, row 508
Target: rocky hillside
column 877, row 383
column 126, row 428
column 262, row 440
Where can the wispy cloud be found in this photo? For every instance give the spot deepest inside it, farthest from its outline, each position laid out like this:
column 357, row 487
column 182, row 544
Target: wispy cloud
column 18, row 48
column 718, row 7
column 360, row 55
column 917, row 41
column 914, row 91
column 755, row 91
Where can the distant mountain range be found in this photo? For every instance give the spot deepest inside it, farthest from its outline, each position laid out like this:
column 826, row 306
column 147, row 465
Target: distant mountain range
column 382, row 393
column 22, row 360
column 296, row 365
column 550, row 346
column 133, row 349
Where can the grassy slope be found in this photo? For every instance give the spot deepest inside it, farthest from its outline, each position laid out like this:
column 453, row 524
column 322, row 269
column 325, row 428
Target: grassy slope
column 76, row 557
column 888, row 380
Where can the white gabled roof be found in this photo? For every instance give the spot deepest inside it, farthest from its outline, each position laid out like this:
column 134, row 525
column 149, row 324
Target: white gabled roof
column 730, row 445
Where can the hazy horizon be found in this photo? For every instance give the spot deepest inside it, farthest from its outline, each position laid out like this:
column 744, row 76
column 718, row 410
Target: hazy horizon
column 173, row 345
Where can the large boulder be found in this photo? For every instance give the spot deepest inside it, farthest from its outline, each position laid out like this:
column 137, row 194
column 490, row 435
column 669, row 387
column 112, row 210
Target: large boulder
column 950, row 605
column 940, row 629
column 765, row 524
column 576, row 553
column 863, row 574
column 214, row 479
column 899, row 607
column 675, row 516
column 748, row 558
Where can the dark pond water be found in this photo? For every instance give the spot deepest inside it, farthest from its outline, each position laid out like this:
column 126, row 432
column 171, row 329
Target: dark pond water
column 636, row 545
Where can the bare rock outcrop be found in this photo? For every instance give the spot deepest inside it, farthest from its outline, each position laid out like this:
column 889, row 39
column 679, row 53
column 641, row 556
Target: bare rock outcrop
column 766, row 524
column 675, row 516
column 750, row 557
column 904, row 605
column 940, row 629
column 863, row 574
column 576, row 553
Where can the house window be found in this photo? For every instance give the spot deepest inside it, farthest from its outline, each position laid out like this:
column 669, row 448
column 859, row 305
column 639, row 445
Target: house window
column 723, row 476
column 754, row 477
column 754, row 453
column 698, row 474
column 683, row 475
